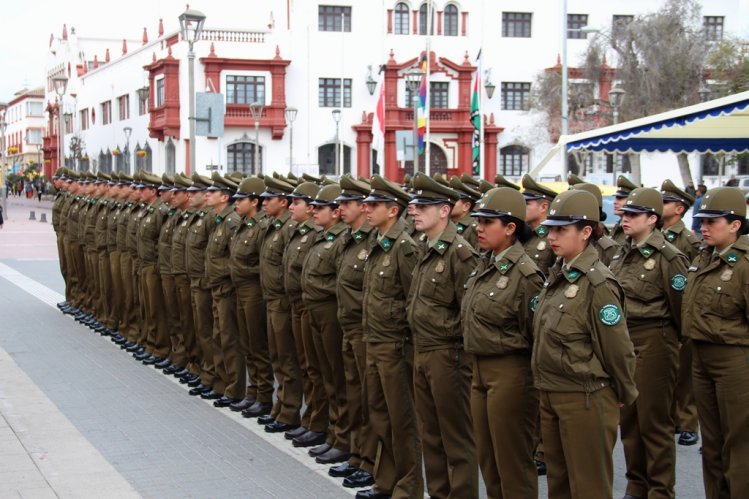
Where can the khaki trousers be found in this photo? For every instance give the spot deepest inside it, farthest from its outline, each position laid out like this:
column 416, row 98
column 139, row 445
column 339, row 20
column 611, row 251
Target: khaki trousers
column 579, row 433
column 397, row 469
column 315, row 416
column 127, row 276
column 115, row 302
column 504, row 405
column 157, row 334
column 721, row 389
column 105, row 288
column 442, row 387
column 202, row 313
column 287, row 370
column 72, row 284
column 62, row 255
column 230, row 362
column 684, row 408
column 253, row 341
column 174, row 327
column 363, row 447
column 647, row 426
column 187, row 334
column 93, row 296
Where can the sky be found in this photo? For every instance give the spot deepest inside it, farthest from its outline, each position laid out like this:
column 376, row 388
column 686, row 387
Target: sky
column 25, row 26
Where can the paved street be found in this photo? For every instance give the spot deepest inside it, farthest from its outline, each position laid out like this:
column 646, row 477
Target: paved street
column 80, row 418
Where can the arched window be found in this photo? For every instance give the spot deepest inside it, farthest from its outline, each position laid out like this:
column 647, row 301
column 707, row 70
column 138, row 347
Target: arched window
column 326, row 159
column 170, row 156
column 451, row 20
column 240, row 158
column 423, row 20
column 144, row 158
column 437, row 161
column 514, row 160
column 120, row 160
column 401, row 19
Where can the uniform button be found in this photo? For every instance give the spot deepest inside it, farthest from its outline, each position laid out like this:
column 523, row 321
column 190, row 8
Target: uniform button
column 642, row 276
column 382, row 273
column 561, row 306
column 460, row 246
column 433, row 279
column 536, row 256
column 356, row 266
column 491, row 294
column 719, row 288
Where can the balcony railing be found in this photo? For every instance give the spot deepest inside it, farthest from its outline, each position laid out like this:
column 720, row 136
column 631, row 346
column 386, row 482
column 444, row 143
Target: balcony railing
column 234, row 35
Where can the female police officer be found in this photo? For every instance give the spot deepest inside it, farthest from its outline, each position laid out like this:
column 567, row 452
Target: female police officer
column 497, row 319
column 583, row 360
column 716, row 317
column 653, row 275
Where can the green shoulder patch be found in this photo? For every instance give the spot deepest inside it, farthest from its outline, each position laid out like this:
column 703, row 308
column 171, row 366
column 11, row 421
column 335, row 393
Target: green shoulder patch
column 610, row 314
column 679, row 282
column 533, row 303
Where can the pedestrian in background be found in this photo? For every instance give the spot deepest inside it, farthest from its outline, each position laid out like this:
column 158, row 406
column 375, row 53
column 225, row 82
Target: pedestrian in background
column 701, row 190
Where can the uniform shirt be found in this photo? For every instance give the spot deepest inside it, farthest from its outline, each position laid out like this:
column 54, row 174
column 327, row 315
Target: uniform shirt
column 137, row 213
column 617, row 233
column 196, row 242
column 653, row 275
column 217, row 271
column 171, row 219
column 539, row 249
column 149, row 230
column 100, row 226
column 319, row 271
column 115, row 208
column 74, row 213
column 276, row 236
column 581, row 342
column 466, row 227
column 387, row 282
column 122, row 223
column 179, row 240
column 244, row 251
column 65, row 212
column 437, row 289
column 607, row 248
column 684, row 240
column 59, row 201
column 499, row 303
column 84, row 223
column 302, row 238
column 716, row 301
column 350, row 281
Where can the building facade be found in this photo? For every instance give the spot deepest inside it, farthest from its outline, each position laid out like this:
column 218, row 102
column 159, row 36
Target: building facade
column 318, row 57
column 25, row 125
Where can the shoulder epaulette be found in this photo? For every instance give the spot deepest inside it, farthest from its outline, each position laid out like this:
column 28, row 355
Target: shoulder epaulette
column 527, row 269
column 464, row 251
column 607, row 242
column 231, row 223
column 595, row 277
column 670, row 251
column 406, row 247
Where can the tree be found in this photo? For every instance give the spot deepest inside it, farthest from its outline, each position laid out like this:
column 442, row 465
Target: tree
column 77, row 147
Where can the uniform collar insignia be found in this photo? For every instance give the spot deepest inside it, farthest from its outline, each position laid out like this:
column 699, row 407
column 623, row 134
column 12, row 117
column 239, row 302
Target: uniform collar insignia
column 359, row 235
column 646, row 251
column 541, row 230
column 504, row 267
column 201, row 213
column 572, row 275
column 460, row 228
column 303, row 230
column 732, row 258
column 219, row 219
column 386, row 243
column 670, row 235
column 277, row 224
column 441, row 246
column 329, row 237
column 170, row 212
column 250, row 222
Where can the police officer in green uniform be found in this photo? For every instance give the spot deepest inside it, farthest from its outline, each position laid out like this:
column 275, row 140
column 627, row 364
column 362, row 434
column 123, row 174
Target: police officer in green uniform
column 314, row 421
column 117, row 194
column 583, row 361
column 136, row 309
column 715, row 317
column 676, row 203
column 106, row 325
column 387, row 278
column 461, row 213
column 357, row 471
column 606, row 246
column 278, row 309
column 497, row 319
column 230, row 364
column 244, row 265
column 652, row 273
column 624, row 187
column 538, row 198
column 319, row 295
column 442, row 369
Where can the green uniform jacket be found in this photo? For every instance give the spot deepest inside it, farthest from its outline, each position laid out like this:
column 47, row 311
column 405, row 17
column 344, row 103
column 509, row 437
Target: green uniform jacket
column 350, row 281
column 122, row 223
column 57, row 205
column 87, row 224
column 200, row 227
column 74, row 214
column 148, row 233
column 244, row 252
column 276, row 236
column 581, row 342
column 436, row 292
column 617, row 233
column 607, row 248
column 539, row 249
column 466, row 227
column 166, row 236
column 302, row 238
column 653, row 277
column 716, row 301
column 65, row 212
column 101, row 235
column 499, row 303
column 132, row 229
column 115, row 208
column 684, row 240
column 179, row 241
column 319, row 271
column 217, row 271
column 387, row 282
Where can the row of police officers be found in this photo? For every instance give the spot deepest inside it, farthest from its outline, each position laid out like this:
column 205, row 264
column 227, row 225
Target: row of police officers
column 448, row 326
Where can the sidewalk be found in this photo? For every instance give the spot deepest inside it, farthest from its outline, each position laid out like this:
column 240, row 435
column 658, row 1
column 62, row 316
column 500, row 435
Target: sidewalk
column 21, row 238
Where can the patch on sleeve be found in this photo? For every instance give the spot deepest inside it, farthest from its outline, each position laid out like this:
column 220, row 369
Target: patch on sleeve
column 610, row 314
column 679, row 282
column 533, row 303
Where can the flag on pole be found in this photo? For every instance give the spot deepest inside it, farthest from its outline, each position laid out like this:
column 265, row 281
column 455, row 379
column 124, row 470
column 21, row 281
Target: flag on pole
column 476, row 122
column 422, row 117
column 378, row 124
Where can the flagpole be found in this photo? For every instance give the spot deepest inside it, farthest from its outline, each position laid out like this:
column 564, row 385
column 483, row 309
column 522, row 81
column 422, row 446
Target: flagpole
column 482, row 165
column 427, row 105
column 339, row 145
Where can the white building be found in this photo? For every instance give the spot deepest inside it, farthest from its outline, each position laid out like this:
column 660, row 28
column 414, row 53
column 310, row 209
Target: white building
column 25, row 125
column 287, row 53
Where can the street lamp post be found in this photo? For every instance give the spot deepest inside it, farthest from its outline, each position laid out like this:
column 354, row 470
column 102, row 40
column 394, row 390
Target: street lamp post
column 191, row 24
column 127, row 131
column 290, row 117
column 413, row 80
column 337, row 118
column 60, row 84
column 616, row 98
column 256, row 110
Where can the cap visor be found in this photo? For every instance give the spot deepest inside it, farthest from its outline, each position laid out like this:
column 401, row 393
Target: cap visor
column 633, row 209
column 489, row 214
column 558, row 223
column 703, row 214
